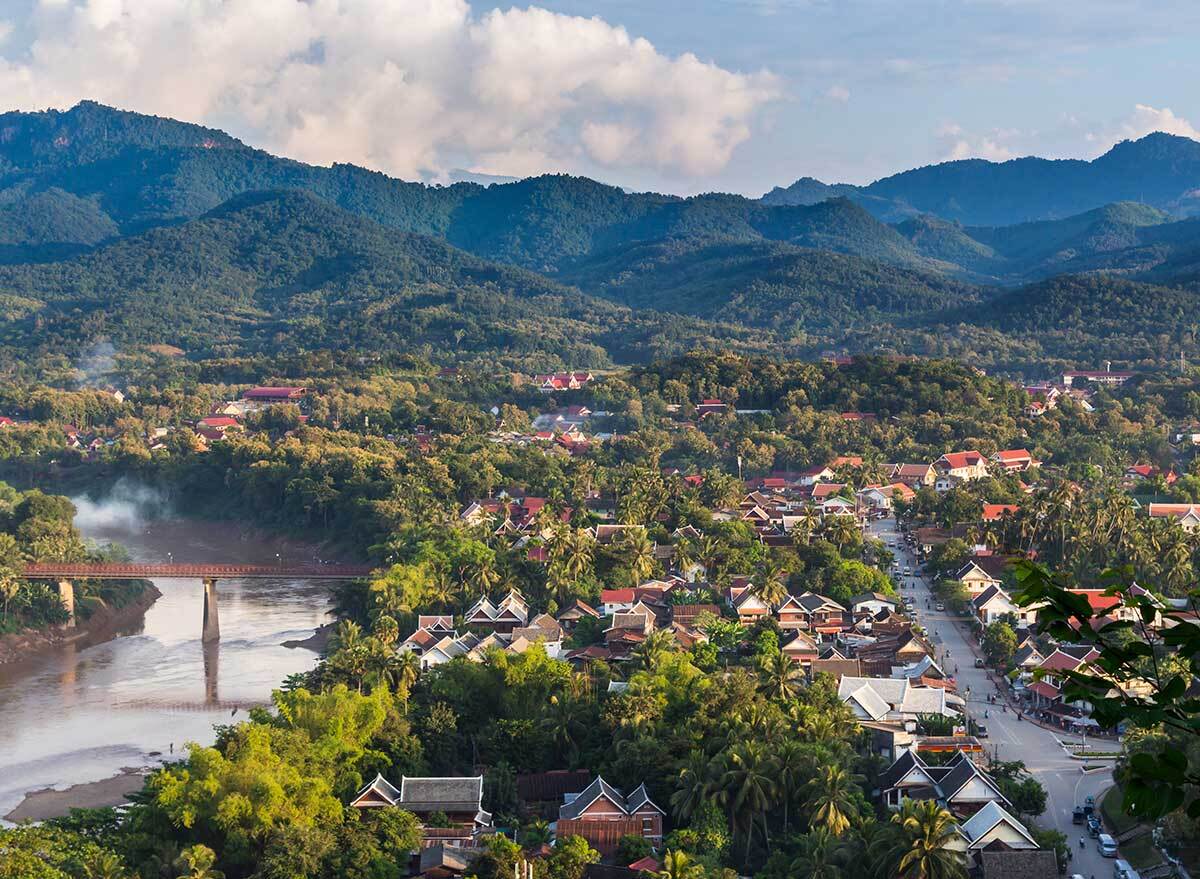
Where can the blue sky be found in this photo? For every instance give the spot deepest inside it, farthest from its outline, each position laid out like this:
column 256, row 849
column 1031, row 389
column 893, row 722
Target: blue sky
column 735, row 95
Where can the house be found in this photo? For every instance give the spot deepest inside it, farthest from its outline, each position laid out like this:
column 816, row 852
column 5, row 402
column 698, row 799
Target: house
column 575, row 612
column 959, row 784
column 1004, row 863
column 710, row 407
column 512, row 612
column 687, row 614
column 896, row 699
column 745, row 601
column 993, row 603
column 601, row 814
column 1014, row 460
column 813, row 475
column 615, row 601
column 981, row 573
column 811, row 612
column 1046, row 688
column 1187, row 516
column 996, row 512
column 1106, row 376
column 964, row 466
column 881, row 497
column 915, row 476
column 993, row 826
column 799, row 647
column 562, row 381
column 460, row 800
column 873, row 603
column 270, row 396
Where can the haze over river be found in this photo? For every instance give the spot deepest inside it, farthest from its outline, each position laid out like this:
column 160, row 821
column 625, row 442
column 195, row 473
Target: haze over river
column 84, row 712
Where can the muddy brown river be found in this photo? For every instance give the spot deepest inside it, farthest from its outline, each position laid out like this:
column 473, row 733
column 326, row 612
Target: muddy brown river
column 84, row 712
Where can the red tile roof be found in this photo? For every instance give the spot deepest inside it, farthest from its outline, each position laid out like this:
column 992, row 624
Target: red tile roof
column 993, row 512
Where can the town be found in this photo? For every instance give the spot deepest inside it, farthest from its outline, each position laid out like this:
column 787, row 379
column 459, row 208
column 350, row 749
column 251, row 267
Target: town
column 876, row 606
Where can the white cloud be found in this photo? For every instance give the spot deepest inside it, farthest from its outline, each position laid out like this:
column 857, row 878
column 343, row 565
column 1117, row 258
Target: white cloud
column 838, row 93
column 957, row 143
column 1146, row 119
column 412, row 87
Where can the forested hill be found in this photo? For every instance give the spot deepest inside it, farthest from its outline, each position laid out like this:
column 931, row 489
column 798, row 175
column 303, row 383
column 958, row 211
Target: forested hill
column 1160, row 169
column 269, row 272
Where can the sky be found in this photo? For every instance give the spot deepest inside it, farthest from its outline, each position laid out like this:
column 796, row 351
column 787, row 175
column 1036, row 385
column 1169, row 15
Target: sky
column 679, row 96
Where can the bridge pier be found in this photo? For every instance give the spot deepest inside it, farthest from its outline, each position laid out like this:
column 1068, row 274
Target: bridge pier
column 212, row 626
column 66, row 593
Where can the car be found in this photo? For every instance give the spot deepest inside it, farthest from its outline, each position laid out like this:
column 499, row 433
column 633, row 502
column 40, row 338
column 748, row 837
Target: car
column 1077, row 815
column 979, row 663
column 1108, row 845
column 981, row 731
column 939, row 606
column 1094, row 826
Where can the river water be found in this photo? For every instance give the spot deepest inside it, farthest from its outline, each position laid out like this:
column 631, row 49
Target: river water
column 84, row 712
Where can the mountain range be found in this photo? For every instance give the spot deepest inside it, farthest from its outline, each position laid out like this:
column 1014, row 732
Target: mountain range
column 142, row 229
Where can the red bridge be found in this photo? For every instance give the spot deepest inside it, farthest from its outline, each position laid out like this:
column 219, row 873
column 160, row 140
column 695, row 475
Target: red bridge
column 65, row 572
column 115, row 571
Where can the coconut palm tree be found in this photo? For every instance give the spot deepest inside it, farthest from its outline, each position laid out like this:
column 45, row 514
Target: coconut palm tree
column 197, row 862
column 695, row 785
column 779, row 675
column 651, row 652
column 929, row 831
column 791, row 765
column 767, row 582
column 841, row 531
column 831, row 800
column 677, row 865
column 104, row 865
column 638, row 552
column 749, row 784
column 818, row 856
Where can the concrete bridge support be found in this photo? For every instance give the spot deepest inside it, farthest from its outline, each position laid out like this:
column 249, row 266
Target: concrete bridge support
column 212, row 627
column 66, row 592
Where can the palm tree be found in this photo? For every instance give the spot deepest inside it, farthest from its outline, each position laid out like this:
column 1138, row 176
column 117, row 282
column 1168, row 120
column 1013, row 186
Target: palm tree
column 657, row 645
column 832, row 800
column 791, row 764
column 638, row 552
column 695, row 786
column 749, row 784
column 564, row 722
column 929, row 831
column 817, row 856
column 197, row 863
column 766, row 583
column 104, row 865
column 677, row 865
column 779, row 675
column 686, row 555
column 841, row 531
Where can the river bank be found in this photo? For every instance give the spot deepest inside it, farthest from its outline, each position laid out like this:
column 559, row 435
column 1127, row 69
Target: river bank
column 42, row 805
column 104, row 624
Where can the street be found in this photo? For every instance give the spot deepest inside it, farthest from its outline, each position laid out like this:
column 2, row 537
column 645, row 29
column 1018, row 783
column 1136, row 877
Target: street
column 1008, row 739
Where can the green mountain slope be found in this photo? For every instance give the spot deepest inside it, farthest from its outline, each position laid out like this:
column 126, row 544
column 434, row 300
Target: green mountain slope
column 1160, row 169
column 764, row 284
column 138, row 172
column 284, row 271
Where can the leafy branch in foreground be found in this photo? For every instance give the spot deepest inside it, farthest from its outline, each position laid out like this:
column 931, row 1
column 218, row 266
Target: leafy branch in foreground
column 1141, row 677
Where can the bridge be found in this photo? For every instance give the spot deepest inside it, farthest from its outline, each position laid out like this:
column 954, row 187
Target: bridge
column 64, row 573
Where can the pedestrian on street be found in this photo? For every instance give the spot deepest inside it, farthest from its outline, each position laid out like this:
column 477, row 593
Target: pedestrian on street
column 1081, row 842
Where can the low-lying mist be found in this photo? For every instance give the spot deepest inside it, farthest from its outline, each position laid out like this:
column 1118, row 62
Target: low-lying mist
column 126, row 507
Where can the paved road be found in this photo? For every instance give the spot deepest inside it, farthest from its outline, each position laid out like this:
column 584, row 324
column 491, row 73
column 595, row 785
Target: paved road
column 1008, row 739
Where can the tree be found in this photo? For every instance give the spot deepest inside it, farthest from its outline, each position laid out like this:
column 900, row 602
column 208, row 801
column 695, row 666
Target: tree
column 832, row 799
column 1154, row 784
column 570, row 858
column 11, row 567
column 999, row 643
column 749, row 786
column 678, row 865
column 779, row 674
column 928, row 834
column 198, row 862
column 817, row 857
column 633, row 848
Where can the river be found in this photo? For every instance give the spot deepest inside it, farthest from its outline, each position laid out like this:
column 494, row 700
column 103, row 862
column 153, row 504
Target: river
column 83, row 713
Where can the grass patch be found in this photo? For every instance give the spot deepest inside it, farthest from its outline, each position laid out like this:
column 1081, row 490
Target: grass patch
column 1115, row 819
column 1141, row 852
